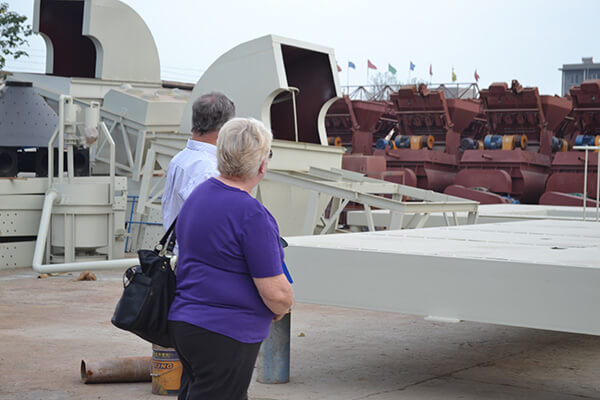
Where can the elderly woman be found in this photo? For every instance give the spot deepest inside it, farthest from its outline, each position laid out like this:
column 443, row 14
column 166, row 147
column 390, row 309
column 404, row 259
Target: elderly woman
column 230, row 282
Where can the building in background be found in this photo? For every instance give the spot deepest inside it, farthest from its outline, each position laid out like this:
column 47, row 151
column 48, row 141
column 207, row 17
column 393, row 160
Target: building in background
column 574, row 74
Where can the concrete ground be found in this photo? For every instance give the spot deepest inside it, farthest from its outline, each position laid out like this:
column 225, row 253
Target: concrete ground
column 47, row 326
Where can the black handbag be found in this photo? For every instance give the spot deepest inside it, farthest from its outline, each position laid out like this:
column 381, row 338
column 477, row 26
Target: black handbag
column 148, row 291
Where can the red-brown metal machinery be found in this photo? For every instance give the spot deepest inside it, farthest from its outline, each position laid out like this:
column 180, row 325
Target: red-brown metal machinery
column 516, row 157
column 425, row 147
column 356, row 124
column 339, row 124
column 565, row 185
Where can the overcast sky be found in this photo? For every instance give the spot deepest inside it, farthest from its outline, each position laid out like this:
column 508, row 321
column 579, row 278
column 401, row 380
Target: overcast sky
column 527, row 39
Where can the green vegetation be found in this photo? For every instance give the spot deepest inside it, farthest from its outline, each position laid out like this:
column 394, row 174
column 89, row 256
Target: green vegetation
column 13, row 32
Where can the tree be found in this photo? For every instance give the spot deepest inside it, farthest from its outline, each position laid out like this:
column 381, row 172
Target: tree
column 13, row 32
column 383, row 83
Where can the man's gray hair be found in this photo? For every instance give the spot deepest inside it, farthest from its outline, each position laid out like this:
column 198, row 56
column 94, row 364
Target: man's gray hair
column 210, row 112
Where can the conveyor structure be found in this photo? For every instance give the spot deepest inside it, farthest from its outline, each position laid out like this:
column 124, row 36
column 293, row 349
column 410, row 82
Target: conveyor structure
column 136, row 118
column 337, row 188
column 318, row 196
column 486, row 214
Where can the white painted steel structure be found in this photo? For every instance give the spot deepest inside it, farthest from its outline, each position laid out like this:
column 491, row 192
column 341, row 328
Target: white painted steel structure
column 487, row 213
column 72, row 207
column 299, row 197
column 135, row 118
column 81, row 89
column 125, row 48
column 81, row 202
column 151, row 189
column 255, row 91
column 85, row 207
column 537, row 274
column 286, row 203
column 21, row 202
column 81, row 222
column 342, row 187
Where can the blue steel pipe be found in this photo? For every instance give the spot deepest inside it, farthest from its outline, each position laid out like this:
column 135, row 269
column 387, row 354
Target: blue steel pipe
column 274, row 356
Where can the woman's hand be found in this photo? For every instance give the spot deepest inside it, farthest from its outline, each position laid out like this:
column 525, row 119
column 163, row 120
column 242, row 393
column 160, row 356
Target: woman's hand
column 277, row 317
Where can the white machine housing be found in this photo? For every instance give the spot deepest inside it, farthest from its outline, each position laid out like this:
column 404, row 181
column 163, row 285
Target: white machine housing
column 137, row 117
column 92, row 46
column 265, row 77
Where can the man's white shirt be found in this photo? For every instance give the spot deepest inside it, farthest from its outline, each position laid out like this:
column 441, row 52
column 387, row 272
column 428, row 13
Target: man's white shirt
column 189, row 168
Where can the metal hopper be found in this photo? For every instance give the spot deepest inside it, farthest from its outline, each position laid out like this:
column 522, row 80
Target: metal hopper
column 514, row 163
column 426, row 145
column 566, row 184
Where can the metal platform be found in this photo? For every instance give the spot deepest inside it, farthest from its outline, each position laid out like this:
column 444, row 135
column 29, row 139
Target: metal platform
column 539, row 274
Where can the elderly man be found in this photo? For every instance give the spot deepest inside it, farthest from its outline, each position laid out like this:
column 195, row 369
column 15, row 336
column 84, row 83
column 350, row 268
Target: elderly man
column 195, row 164
column 198, row 161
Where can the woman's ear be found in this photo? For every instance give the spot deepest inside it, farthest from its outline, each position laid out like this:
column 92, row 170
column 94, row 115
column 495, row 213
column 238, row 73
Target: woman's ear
column 262, row 169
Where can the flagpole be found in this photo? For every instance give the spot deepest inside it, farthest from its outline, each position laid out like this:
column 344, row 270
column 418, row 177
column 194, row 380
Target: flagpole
column 348, row 79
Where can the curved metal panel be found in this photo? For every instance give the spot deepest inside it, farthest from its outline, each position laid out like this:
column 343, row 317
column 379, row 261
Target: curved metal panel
column 125, row 48
column 260, row 76
column 103, row 39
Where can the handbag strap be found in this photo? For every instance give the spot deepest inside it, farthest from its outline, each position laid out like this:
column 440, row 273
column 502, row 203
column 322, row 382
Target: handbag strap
column 170, row 236
column 172, row 240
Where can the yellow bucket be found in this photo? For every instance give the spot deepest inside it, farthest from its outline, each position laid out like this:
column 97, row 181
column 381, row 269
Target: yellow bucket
column 166, row 371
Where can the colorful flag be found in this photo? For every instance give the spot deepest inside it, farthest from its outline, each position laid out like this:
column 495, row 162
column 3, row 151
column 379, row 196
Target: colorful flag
column 453, row 75
column 339, row 68
column 476, row 76
column 412, row 66
column 430, row 70
column 351, row 65
column 391, row 69
column 371, row 65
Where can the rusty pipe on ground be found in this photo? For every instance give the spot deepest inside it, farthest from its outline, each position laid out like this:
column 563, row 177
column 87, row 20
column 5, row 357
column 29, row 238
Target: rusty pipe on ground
column 124, row 369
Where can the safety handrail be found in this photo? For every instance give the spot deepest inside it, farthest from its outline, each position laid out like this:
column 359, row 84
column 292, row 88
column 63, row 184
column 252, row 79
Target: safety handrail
column 585, row 177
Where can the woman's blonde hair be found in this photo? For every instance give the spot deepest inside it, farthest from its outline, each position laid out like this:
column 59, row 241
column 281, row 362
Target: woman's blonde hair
column 242, row 145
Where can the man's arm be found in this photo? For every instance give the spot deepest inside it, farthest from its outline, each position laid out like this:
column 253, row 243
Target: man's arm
column 171, row 201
